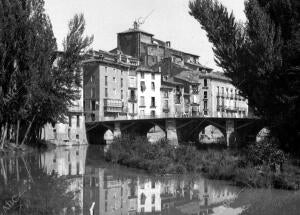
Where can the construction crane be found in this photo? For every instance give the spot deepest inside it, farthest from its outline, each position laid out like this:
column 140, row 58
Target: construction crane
column 140, row 21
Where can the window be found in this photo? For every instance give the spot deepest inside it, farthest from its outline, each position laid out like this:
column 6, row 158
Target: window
column 77, row 121
column 152, row 184
column 93, row 92
column 153, row 76
column 105, row 69
column 77, row 168
column 105, row 80
column 142, row 101
column 93, row 105
column 166, row 104
column 77, row 152
column 205, row 94
column 195, row 89
column 106, row 194
column 69, row 133
column 114, row 79
column 143, row 199
column 166, row 94
column 105, row 207
column 106, row 92
column 152, row 101
column 152, row 85
column 153, row 113
column 153, row 209
column 122, row 94
column 93, row 117
column 70, row 121
column 70, row 169
column 115, row 91
column 92, row 78
column 142, row 75
column 54, row 133
column 218, row 90
column 143, row 86
column 205, row 82
column 153, row 199
column 205, row 105
column 121, row 82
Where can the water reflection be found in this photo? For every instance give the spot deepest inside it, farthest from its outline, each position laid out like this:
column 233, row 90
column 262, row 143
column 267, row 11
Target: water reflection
column 77, row 181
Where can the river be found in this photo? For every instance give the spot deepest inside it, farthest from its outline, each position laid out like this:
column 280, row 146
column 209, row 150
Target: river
column 77, row 180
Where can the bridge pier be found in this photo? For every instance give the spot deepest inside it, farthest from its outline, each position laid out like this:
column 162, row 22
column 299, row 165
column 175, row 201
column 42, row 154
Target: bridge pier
column 230, row 129
column 117, row 129
column 171, row 131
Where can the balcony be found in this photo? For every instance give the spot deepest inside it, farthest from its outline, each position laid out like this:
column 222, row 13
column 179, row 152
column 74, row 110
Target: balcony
column 113, row 105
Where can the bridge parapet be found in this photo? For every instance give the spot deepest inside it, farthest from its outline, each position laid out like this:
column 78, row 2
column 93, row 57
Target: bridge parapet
column 169, row 115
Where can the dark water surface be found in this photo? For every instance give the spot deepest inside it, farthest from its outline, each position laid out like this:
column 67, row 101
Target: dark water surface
column 77, row 180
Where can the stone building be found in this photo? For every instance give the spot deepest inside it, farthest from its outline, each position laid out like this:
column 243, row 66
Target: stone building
column 108, row 93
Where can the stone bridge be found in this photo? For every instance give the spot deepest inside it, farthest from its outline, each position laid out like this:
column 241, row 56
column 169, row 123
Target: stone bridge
column 177, row 130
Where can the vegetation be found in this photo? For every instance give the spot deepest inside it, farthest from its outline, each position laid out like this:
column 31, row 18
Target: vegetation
column 37, row 83
column 261, row 57
column 268, row 168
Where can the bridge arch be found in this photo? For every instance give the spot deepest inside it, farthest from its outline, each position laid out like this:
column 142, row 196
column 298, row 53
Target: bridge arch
column 156, row 133
column 191, row 131
column 211, row 134
column 96, row 134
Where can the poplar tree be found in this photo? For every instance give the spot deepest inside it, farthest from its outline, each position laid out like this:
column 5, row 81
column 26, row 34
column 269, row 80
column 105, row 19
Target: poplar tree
column 261, row 57
column 37, row 83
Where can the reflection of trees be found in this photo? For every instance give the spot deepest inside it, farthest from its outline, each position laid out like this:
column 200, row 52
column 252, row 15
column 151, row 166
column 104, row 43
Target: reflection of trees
column 44, row 194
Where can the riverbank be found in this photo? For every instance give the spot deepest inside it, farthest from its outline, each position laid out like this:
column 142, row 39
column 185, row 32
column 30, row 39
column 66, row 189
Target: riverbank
column 231, row 165
column 11, row 149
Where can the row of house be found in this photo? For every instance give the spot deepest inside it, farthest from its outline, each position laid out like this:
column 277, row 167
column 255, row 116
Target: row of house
column 144, row 77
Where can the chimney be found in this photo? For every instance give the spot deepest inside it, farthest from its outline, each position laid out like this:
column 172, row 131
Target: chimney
column 168, row 44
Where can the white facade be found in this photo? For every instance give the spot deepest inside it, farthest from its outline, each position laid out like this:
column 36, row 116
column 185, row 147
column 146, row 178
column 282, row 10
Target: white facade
column 149, row 99
column 149, row 196
column 226, row 101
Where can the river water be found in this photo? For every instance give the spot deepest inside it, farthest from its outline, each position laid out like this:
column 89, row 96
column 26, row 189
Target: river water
column 77, row 180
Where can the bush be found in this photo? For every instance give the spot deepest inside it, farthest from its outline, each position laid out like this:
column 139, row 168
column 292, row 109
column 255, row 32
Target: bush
column 255, row 168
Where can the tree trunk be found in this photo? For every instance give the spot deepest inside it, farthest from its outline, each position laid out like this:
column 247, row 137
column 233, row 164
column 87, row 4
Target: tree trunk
column 27, row 131
column 3, row 171
column 26, row 167
column 17, row 169
column 18, row 132
column 4, row 134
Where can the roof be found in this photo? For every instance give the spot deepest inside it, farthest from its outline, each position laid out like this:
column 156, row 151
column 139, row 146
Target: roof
column 132, row 30
column 171, row 81
column 199, row 65
column 182, row 52
column 164, row 86
column 218, row 75
column 189, row 76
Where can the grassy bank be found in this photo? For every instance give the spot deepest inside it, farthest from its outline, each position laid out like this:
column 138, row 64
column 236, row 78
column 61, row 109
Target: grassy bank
column 243, row 169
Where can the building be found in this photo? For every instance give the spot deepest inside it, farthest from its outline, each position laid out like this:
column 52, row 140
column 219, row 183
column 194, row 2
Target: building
column 148, row 92
column 160, row 82
column 109, row 86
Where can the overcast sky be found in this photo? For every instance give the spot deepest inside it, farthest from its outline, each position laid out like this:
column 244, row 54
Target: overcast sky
column 170, row 21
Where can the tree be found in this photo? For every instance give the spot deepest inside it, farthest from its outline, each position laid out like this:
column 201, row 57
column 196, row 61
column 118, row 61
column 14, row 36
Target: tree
column 261, row 57
column 37, row 83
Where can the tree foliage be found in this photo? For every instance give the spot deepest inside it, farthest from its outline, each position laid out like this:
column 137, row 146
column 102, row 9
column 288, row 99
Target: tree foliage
column 261, row 57
column 37, row 83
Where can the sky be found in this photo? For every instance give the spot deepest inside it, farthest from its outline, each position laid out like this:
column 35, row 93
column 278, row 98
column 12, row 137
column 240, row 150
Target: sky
column 169, row 21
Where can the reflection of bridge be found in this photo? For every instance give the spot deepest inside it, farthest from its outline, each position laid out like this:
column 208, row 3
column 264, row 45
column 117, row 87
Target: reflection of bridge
column 177, row 129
